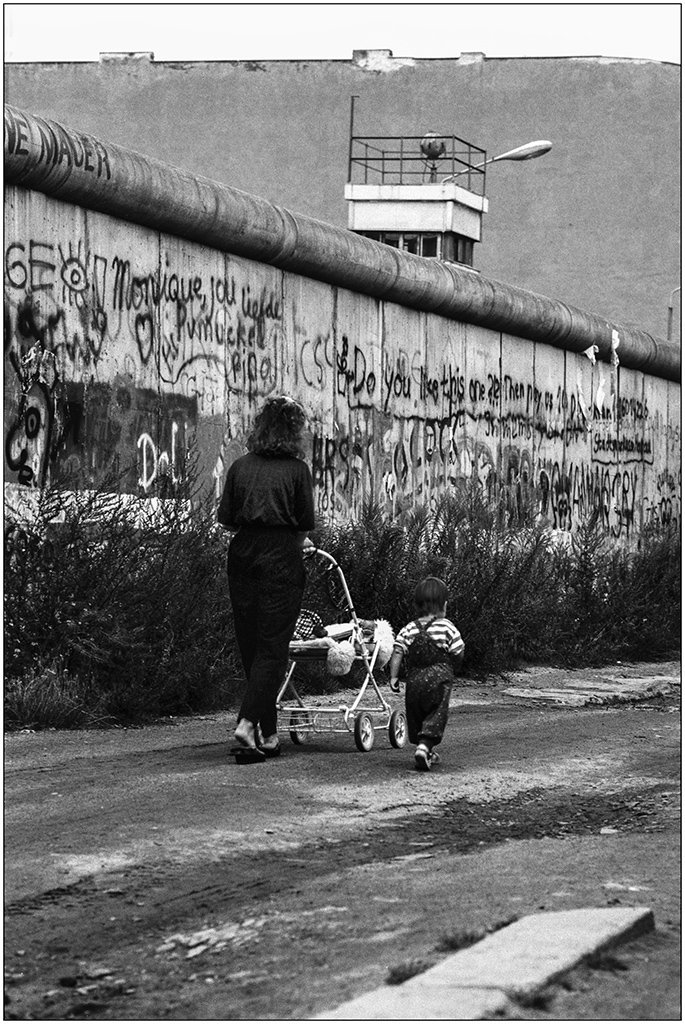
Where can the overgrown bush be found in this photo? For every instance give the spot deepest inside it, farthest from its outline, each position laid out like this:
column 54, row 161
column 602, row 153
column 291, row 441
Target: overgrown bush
column 114, row 615
column 134, row 609
column 518, row 591
column 46, row 697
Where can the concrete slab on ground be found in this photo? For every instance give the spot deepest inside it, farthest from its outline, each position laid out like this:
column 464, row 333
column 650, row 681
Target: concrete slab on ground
column 511, row 964
column 407, row 1002
column 608, row 690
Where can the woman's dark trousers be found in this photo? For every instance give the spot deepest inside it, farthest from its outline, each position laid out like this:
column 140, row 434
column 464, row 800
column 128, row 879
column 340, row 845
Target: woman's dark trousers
column 265, row 583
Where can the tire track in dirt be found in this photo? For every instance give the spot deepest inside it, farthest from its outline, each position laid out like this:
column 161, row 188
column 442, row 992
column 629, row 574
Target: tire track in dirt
column 77, row 919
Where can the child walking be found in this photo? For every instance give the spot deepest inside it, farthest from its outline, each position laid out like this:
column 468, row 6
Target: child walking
column 431, row 649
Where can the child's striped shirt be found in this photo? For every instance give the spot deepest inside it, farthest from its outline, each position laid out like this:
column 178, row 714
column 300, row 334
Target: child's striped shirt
column 444, row 632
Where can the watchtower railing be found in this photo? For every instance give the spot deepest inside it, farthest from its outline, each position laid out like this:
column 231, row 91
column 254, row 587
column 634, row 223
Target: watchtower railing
column 401, row 160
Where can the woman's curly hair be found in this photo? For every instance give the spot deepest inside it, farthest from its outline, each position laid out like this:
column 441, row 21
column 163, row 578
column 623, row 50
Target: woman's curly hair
column 278, row 428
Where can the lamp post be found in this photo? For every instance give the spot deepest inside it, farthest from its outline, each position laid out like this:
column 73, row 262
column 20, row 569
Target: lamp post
column 669, row 322
column 529, row 151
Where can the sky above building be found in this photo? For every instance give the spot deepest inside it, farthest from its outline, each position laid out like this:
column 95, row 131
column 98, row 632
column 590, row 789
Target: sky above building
column 190, row 32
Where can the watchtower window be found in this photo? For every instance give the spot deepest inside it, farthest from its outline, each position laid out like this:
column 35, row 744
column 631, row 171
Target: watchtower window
column 464, row 250
column 447, row 246
column 429, row 245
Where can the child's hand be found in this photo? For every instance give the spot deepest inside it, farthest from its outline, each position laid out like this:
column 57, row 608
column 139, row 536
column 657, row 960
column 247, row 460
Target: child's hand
column 395, row 685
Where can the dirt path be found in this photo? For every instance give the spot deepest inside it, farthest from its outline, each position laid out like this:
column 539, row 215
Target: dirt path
column 149, row 877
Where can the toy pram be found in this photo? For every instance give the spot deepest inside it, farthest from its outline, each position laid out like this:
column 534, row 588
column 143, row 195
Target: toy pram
column 338, row 647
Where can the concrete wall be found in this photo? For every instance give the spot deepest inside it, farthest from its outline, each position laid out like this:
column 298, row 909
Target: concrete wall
column 594, row 223
column 126, row 345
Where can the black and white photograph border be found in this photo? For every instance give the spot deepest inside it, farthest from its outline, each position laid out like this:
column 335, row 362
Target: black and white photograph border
column 328, row 326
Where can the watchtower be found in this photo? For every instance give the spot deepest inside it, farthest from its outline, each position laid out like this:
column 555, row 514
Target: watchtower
column 424, row 194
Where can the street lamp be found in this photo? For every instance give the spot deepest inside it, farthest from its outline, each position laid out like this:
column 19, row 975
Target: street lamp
column 529, row 151
column 669, row 322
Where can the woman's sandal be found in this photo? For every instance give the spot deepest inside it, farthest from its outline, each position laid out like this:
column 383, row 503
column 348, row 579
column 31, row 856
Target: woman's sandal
column 271, row 751
column 248, row 755
column 245, row 753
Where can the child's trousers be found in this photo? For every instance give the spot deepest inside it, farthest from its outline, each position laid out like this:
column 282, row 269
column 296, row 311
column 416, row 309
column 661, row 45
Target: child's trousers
column 427, row 698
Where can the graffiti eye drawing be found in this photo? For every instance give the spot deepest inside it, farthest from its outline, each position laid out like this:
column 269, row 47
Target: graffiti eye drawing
column 74, row 276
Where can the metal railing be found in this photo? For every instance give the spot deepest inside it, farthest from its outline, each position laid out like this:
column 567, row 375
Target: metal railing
column 401, row 160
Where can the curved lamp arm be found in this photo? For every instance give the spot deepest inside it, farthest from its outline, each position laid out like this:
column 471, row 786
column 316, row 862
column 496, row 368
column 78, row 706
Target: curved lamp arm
column 529, row 151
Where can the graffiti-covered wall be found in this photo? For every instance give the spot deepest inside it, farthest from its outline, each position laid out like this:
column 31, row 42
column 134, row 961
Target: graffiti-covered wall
column 126, row 348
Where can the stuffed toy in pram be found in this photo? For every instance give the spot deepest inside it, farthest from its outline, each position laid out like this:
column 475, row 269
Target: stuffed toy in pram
column 311, row 635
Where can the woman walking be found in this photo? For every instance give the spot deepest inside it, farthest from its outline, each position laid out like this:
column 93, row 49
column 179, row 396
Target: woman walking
column 268, row 500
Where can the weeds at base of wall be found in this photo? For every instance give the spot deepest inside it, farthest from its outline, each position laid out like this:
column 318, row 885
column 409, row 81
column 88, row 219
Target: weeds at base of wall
column 111, row 621
column 518, row 592
column 48, row 699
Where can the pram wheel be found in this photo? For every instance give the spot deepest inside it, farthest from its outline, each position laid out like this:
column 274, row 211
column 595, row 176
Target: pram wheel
column 397, row 729
column 300, row 727
column 363, row 732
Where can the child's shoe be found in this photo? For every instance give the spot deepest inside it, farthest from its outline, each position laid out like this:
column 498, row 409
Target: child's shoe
column 422, row 758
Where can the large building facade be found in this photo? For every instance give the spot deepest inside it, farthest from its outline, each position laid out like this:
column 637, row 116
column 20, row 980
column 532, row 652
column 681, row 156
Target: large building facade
column 594, row 223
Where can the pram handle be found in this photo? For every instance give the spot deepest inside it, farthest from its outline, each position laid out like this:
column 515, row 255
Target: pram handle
column 310, row 552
